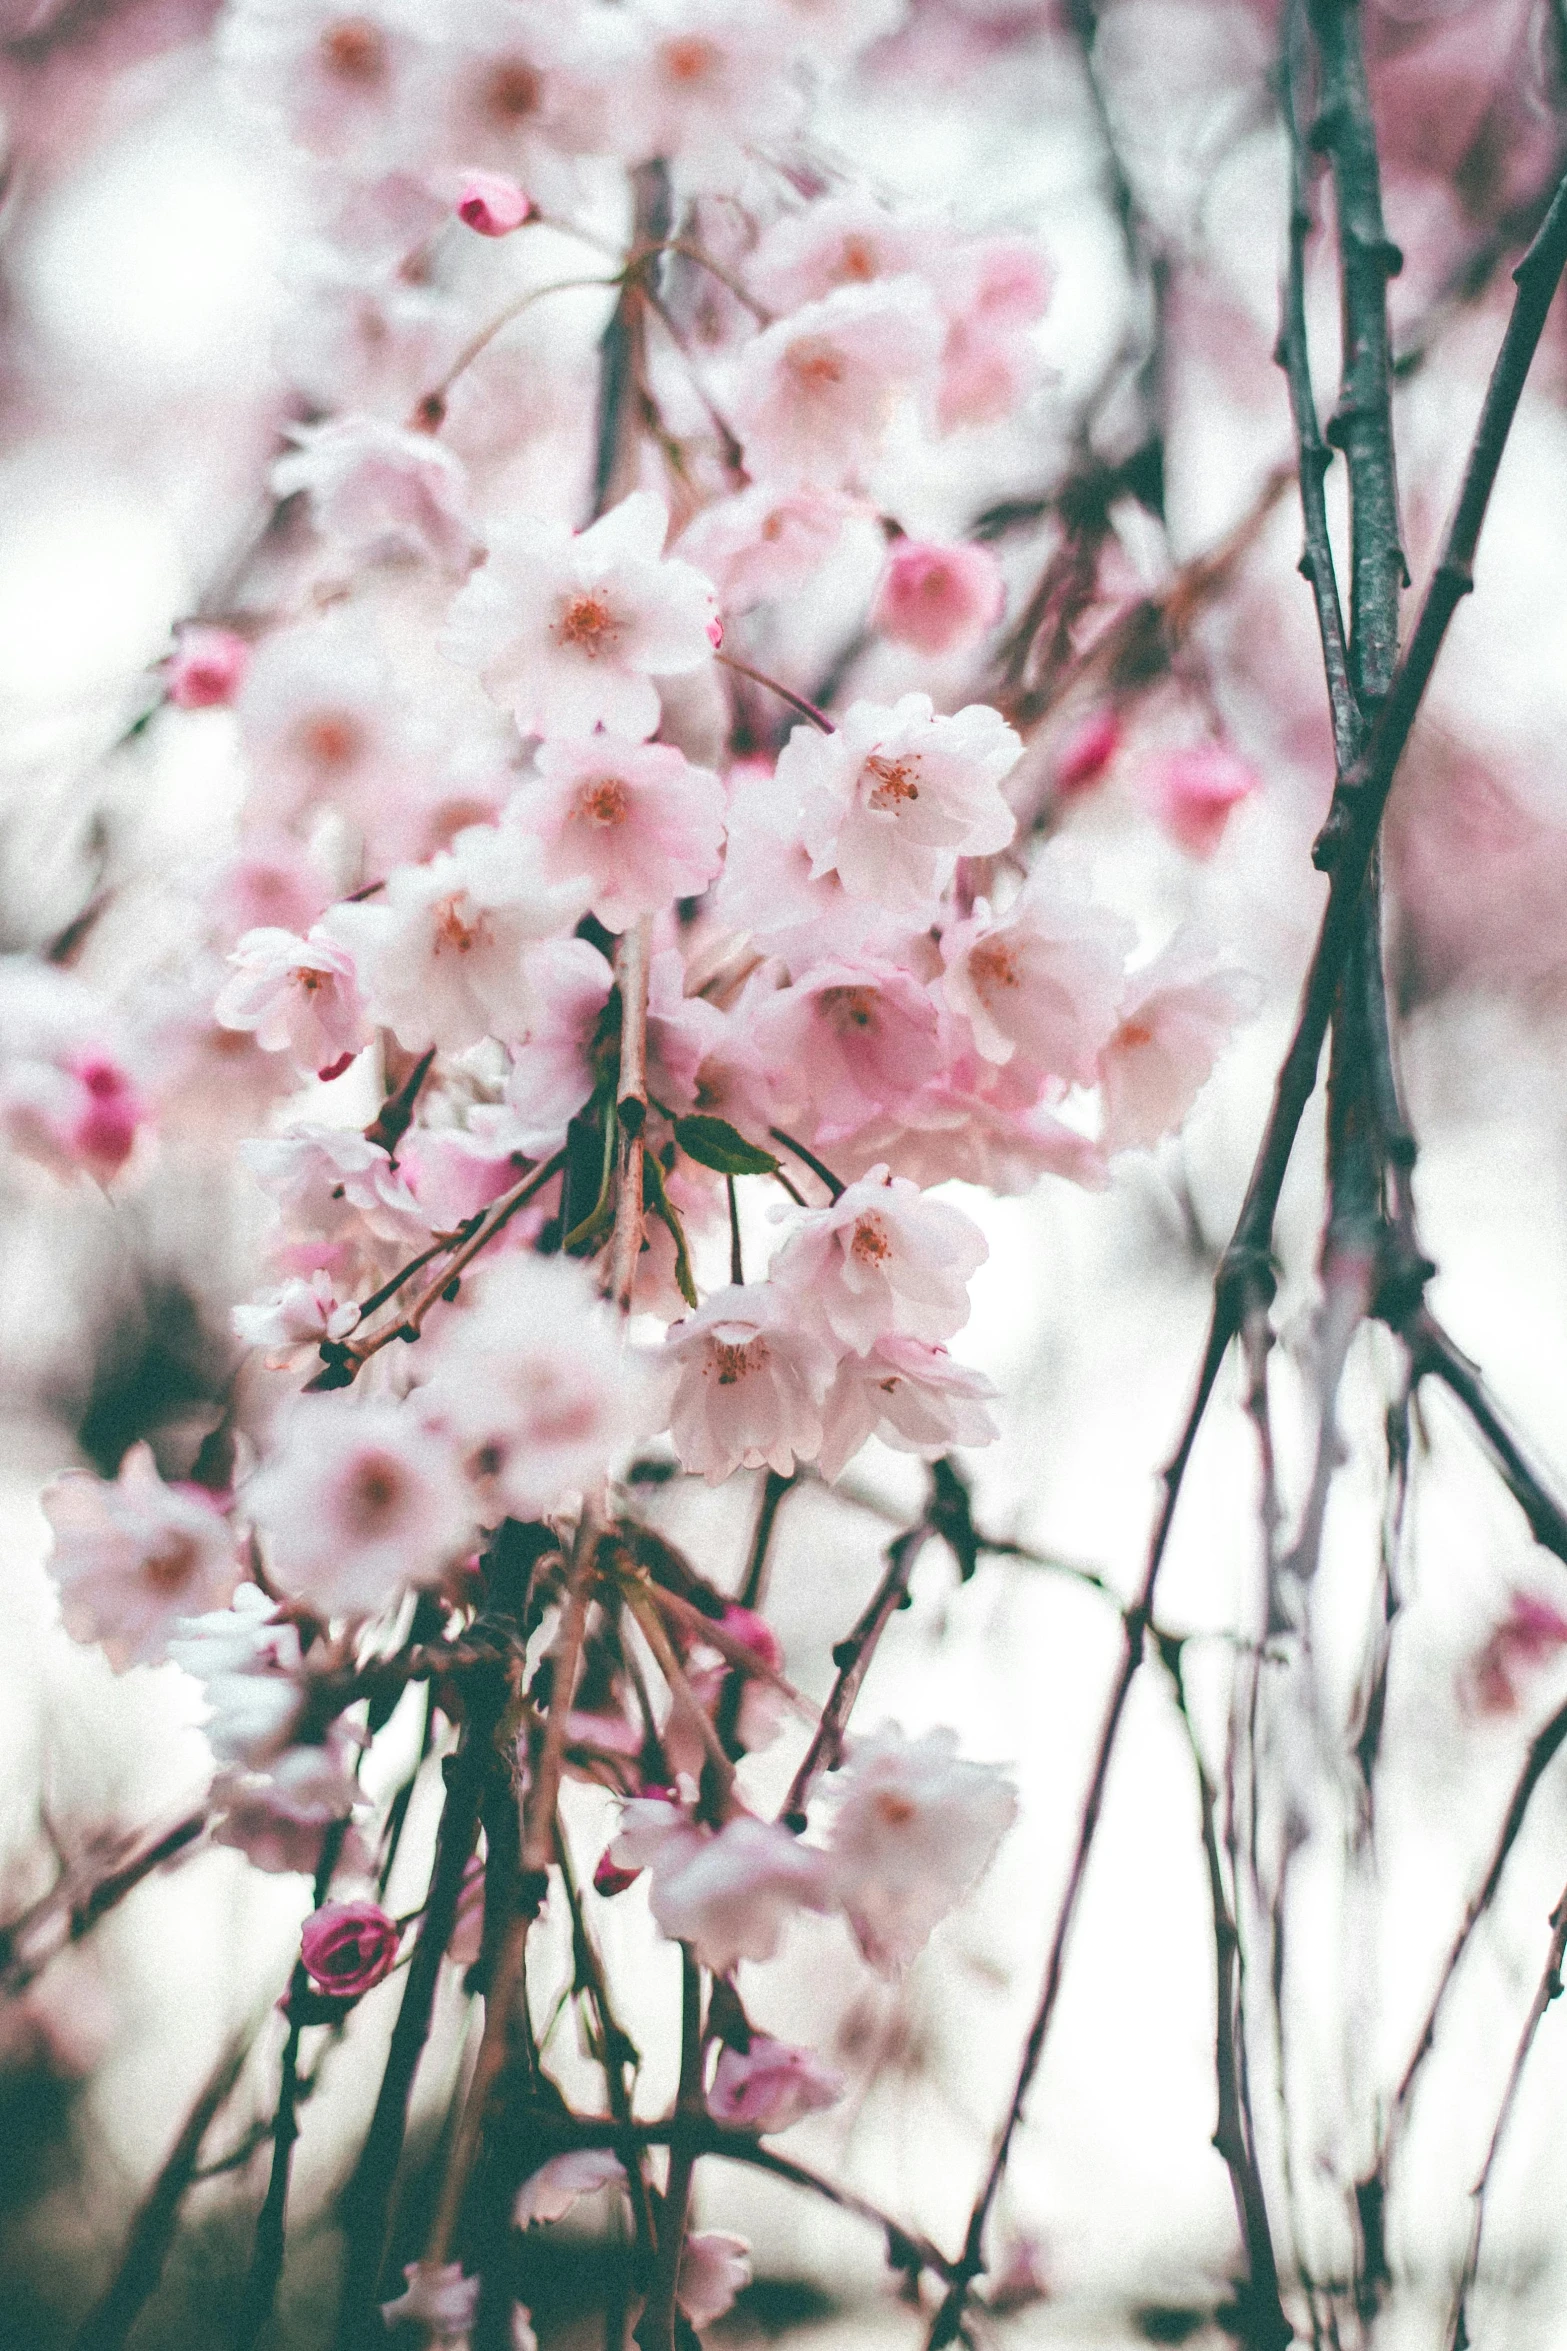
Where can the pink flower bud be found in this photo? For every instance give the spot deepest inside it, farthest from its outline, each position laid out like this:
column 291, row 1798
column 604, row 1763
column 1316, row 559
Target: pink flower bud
column 493, row 204
column 102, row 1130
column 348, row 1946
column 207, row 668
column 938, row 599
column 610, row 1878
column 715, row 632
column 1193, row 792
column 756, row 1634
column 1087, row 752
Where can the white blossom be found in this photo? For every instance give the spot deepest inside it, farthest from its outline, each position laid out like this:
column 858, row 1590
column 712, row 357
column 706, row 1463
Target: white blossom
column 296, row 996
column 882, row 1258
column 748, row 1383
column 356, row 1502
column 914, row 1826
column 131, row 1556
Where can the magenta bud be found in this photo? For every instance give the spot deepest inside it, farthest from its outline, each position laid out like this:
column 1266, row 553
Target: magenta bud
column 609, row 1878
column 348, row 1946
column 715, row 632
column 206, row 669
column 493, row 205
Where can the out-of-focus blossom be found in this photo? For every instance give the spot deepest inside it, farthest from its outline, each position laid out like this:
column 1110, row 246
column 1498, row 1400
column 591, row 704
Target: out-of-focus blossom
column 297, row 996
column 1194, row 792
column 714, row 2268
column 914, row 1826
column 551, row 2191
column 841, row 240
column 356, row 1502
column 992, row 292
column 568, row 632
column 552, row 1069
column 1531, row 1632
column 748, row 1380
column 816, row 392
column 296, row 1317
column 764, row 542
column 439, row 2299
column 248, row 1665
column 938, row 599
column 636, row 821
column 1087, row 752
column 133, row 1556
column 770, row 2086
column 379, row 493
column 279, row 1819
column 1178, row 1015
column 206, row 669
column 911, row 1395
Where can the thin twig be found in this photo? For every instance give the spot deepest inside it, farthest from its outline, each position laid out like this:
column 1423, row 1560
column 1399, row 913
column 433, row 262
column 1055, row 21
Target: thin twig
column 631, row 971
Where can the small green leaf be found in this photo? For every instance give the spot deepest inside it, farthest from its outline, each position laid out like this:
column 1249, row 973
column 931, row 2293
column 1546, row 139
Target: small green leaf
column 655, row 1197
column 714, row 1143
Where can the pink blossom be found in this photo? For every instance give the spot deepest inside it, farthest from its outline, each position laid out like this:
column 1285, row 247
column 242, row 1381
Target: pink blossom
column 569, row 632
column 87, row 1115
column 379, row 493
column 332, row 75
column 270, row 883
column 439, row 2299
column 1044, row 979
column 637, row 821
column 133, row 1556
column 1530, row 1632
column 768, row 890
column 816, row 392
column 992, row 291
column 728, row 1893
column 356, row 1502
column 851, row 1040
column 331, row 1185
column 892, row 799
column 453, row 1172
column 756, row 1634
column 439, row 952
column 294, row 1319
column 1087, row 752
column 551, row 1068
column 882, row 1258
column 206, row 669
column 279, row 1818
column 713, row 79
column 938, row 599
column 913, row 1827
column 533, row 1386
column 323, row 721
column 834, row 31
column 552, row 2191
column 492, row 204
column 1193, row 792
column 841, row 240
column 714, row 2268
column 748, row 1382
column 1178, row 1015
column 770, row 2086
column 765, row 542
column 979, row 1124
column 911, row 1395
column 297, row 996
column 348, row 1946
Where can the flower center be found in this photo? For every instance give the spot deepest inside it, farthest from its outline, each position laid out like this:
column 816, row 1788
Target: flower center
column 376, row 1489
column 858, row 261
column 451, row 930
column 894, row 1810
column 354, row 50
column 173, row 1563
column 993, row 965
column 587, row 625
column 816, row 367
column 734, row 1362
column 603, row 803
column 1135, row 1032
column 691, row 60
column 512, row 92
column 870, row 1245
column 894, row 782
column 331, row 741
column 848, row 1008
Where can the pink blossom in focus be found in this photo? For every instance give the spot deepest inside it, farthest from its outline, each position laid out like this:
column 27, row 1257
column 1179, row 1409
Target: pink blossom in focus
column 938, row 599
column 880, row 1259
column 355, row 1502
column 348, row 1946
column 816, row 392
column 1178, row 1015
column 849, row 1041
column 771, row 2086
column 914, row 1826
column 453, row 1172
column 1192, row 792
column 492, row 204
column 379, row 493
column 297, row 996
column 764, row 542
column 206, row 669
column 133, row 1556
column 568, row 632
column 748, row 1382
column 636, row 821
column 714, row 2268
column 911, row 1395
column 552, row 2191
column 1043, row 980
column 893, row 798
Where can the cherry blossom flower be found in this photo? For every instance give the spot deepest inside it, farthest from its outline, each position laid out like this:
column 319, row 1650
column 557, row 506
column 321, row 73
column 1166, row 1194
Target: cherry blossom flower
column 938, row 599
column 206, row 669
column 294, row 1319
column 380, row 494
column 453, row 1172
column 533, row 1386
column 1087, row 752
column 881, row 1259
column 636, row 820
column 439, row 2299
column 569, row 632
column 551, row 2191
column 521, row 91
column 853, row 1039
column 323, row 721
column 1045, row 978
column 552, row 1067
column 1176, row 1019
column 439, row 952
column 248, row 1665
column 297, row 996
column 770, row 2086
column 347, row 1947
column 728, row 1893
column 279, row 1818
column 714, row 2268
column 841, row 240
column 912, row 1396
column 332, row 75
column 713, row 79
column 79, row 1115
column 765, row 542
column 992, row 291
column 914, row 1826
column 894, row 797
column 748, row 1380
column 768, row 888
column 493, row 205
column 1194, row 792
column 816, row 392
column 133, row 1556
column 332, row 1185
column 356, row 1502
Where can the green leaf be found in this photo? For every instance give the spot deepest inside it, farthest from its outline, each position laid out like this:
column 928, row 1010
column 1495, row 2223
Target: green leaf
column 714, row 1143
column 655, row 1197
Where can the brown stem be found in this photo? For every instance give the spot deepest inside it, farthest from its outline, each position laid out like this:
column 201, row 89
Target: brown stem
column 631, row 968
column 656, row 2331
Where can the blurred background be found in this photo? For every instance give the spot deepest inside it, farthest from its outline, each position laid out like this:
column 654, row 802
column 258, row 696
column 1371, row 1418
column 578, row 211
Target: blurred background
column 161, row 319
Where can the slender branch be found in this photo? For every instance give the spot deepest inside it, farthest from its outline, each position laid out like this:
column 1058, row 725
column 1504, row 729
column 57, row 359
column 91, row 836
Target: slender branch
column 656, row 2331
column 818, row 1167
column 759, row 677
column 631, row 969
column 70, row 1910
column 853, row 1656
column 1435, row 1356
